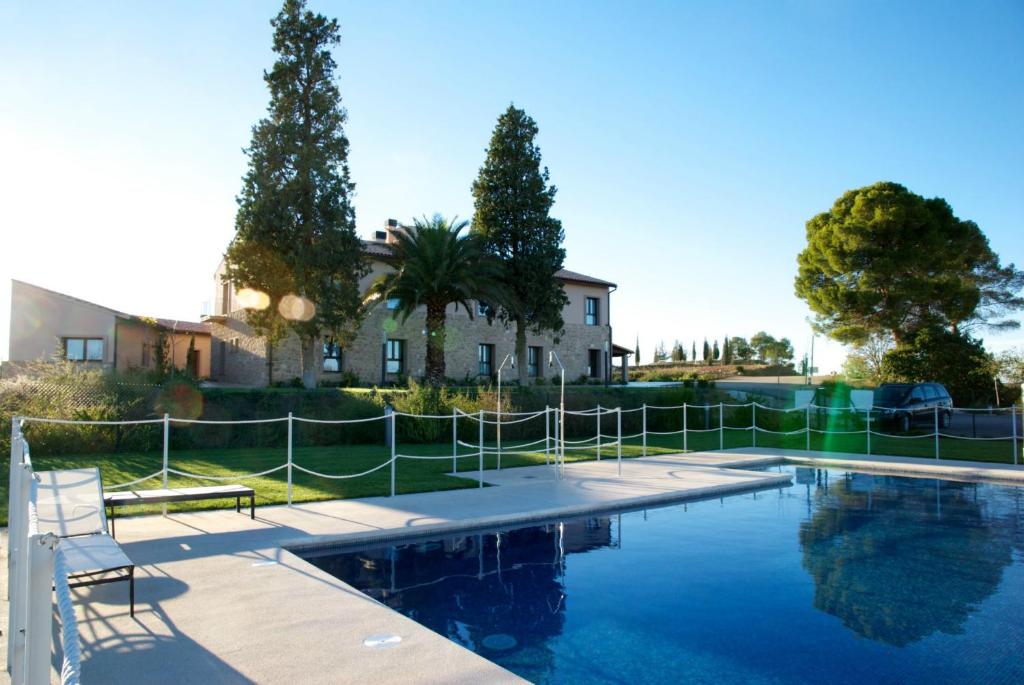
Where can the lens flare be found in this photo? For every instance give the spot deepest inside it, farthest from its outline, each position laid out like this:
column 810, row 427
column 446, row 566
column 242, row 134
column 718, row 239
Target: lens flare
column 249, row 298
column 296, row 308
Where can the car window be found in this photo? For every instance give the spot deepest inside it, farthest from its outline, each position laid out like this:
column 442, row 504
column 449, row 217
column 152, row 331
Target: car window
column 917, row 394
column 930, row 392
column 941, row 392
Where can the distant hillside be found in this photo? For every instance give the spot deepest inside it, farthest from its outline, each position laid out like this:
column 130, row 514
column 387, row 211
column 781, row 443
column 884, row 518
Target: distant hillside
column 681, row 371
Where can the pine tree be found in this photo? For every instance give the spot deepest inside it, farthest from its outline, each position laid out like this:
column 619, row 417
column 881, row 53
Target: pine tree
column 715, row 352
column 512, row 202
column 295, row 227
column 707, row 352
column 726, row 351
column 693, row 351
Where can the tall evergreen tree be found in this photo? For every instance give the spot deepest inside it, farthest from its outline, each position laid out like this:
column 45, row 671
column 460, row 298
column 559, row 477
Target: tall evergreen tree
column 295, row 227
column 512, row 201
column 716, row 353
column 693, row 351
column 707, row 352
column 726, row 351
column 636, row 352
column 677, row 352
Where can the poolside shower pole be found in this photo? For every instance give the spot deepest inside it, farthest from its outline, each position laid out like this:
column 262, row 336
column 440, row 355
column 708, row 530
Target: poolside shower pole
column 721, row 427
column 481, row 455
column 936, row 431
column 289, row 459
column 643, row 429
column 167, row 443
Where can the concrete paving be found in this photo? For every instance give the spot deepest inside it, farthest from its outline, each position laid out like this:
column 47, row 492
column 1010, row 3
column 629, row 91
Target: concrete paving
column 219, row 599
column 948, row 469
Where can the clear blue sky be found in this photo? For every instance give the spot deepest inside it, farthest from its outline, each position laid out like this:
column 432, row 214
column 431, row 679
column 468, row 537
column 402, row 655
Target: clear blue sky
column 689, row 141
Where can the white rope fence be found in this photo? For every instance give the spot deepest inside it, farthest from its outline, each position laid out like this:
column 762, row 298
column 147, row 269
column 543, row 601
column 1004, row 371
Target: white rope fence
column 555, row 443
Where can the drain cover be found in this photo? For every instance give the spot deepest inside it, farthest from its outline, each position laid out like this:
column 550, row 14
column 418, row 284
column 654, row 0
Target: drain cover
column 382, row 641
column 499, row 642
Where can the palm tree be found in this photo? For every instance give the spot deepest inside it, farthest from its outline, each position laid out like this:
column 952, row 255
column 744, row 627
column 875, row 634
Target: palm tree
column 436, row 266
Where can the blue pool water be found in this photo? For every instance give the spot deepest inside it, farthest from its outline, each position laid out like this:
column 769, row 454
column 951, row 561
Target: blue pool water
column 840, row 578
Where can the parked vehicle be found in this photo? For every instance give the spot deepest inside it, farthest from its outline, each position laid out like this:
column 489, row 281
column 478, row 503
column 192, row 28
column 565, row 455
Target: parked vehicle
column 903, row 404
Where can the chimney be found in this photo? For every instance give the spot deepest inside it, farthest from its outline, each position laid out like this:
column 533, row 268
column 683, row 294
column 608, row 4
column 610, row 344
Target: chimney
column 389, row 231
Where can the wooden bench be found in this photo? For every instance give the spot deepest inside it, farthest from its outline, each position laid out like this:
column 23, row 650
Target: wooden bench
column 112, row 500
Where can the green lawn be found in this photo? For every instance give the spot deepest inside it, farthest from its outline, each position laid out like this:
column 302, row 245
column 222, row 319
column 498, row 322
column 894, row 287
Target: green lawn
column 413, row 475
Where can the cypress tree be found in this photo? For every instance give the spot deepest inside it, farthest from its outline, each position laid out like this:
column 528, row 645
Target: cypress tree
column 295, row 227
column 512, row 200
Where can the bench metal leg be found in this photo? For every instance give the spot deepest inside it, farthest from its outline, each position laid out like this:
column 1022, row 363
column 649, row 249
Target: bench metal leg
column 113, row 530
column 131, row 591
column 252, row 506
column 238, row 504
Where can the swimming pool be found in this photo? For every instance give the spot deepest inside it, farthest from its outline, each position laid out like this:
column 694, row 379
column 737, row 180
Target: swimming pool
column 841, row 578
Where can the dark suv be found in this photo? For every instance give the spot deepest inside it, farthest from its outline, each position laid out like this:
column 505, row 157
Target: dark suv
column 901, row 404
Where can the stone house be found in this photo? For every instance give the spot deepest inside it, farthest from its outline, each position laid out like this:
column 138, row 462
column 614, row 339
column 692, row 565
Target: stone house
column 386, row 350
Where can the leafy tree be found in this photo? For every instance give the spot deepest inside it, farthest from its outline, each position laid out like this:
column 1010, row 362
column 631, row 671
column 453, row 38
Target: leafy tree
column 761, row 343
column 864, row 361
column 1010, row 365
column 435, row 266
column 716, row 353
column 741, row 349
column 779, row 351
column 956, row 360
column 295, row 227
column 885, row 260
column 512, row 203
column 726, row 351
column 660, row 354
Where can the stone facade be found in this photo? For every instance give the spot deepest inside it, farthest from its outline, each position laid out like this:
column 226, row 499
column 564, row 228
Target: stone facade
column 240, row 357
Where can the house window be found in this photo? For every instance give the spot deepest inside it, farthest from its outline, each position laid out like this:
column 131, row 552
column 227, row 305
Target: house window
column 83, row 349
column 593, row 318
column 594, row 363
column 483, row 308
column 485, row 355
column 394, row 303
column 394, row 356
column 533, row 357
column 332, row 357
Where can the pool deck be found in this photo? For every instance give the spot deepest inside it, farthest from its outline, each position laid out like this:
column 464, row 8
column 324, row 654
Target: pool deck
column 219, row 599
column 948, row 469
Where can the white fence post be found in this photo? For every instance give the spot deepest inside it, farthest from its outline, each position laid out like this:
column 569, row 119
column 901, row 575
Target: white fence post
column 807, row 427
column 936, row 431
column 753, row 421
column 547, row 435
column 39, row 609
column 618, row 437
column 869, row 432
column 481, row 455
column 498, row 427
column 394, row 450
column 20, row 555
column 1013, row 422
column 685, row 449
column 643, row 429
column 721, row 427
column 599, row 432
column 167, row 445
column 289, row 459
column 455, row 441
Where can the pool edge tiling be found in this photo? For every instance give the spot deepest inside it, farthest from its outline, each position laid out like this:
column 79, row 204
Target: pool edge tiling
column 220, row 598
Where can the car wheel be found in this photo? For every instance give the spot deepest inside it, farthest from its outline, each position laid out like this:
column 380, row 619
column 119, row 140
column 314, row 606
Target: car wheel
column 904, row 423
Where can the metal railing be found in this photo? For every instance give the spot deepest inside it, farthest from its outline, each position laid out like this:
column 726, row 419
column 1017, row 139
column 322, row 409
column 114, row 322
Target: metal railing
column 36, row 568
